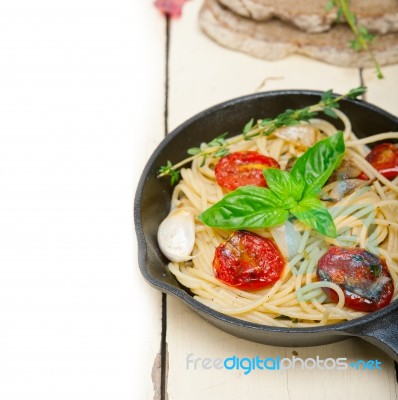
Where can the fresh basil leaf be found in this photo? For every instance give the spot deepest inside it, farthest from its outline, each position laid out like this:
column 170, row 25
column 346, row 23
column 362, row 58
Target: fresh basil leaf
column 246, row 207
column 283, row 184
column 316, row 165
column 314, row 213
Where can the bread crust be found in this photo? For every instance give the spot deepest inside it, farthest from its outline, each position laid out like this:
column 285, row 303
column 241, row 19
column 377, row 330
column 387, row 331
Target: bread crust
column 274, row 39
column 379, row 16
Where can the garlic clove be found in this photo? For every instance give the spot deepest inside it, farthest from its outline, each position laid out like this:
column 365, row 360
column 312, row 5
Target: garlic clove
column 176, row 235
column 287, row 238
column 304, row 135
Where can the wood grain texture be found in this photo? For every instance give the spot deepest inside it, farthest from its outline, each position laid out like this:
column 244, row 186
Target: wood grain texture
column 148, row 123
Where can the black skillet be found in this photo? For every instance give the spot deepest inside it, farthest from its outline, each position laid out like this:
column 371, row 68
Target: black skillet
column 152, row 203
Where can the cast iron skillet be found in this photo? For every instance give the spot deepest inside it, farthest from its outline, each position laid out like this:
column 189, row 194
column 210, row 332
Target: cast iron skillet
column 152, row 203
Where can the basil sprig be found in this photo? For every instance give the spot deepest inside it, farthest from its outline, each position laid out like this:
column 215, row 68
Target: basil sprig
column 288, row 193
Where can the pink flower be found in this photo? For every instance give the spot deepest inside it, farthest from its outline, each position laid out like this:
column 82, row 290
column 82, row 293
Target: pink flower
column 170, row 7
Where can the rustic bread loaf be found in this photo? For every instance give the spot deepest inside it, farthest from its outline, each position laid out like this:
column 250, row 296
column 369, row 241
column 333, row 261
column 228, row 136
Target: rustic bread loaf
column 274, row 39
column 379, row 16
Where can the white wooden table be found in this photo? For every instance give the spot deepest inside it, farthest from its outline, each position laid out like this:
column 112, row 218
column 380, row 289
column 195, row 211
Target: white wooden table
column 201, row 74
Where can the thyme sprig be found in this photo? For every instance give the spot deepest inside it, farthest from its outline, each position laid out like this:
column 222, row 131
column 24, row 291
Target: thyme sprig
column 362, row 37
column 219, row 146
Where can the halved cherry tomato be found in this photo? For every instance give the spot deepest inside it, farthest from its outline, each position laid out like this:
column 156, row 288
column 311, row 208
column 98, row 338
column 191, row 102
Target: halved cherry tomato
column 363, row 277
column 243, row 168
column 248, row 261
column 383, row 157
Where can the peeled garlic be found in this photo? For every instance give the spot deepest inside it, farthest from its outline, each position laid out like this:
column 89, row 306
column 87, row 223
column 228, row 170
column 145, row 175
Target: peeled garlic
column 287, row 238
column 304, row 135
column 176, row 235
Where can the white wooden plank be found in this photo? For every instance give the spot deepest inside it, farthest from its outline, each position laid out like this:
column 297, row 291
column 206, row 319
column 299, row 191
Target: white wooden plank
column 147, row 131
column 81, row 92
column 202, row 74
column 191, row 340
column 383, row 93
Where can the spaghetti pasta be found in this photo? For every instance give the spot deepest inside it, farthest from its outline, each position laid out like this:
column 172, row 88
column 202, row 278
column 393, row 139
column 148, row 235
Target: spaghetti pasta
column 365, row 217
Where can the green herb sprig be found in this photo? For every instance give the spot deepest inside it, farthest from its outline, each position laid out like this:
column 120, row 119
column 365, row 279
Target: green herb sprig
column 362, row 37
column 295, row 193
column 219, row 146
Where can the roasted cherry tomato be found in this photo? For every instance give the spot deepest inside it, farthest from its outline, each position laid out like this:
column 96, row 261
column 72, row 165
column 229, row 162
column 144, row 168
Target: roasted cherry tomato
column 383, row 157
column 363, row 277
column 243, row 168
column 248, row 261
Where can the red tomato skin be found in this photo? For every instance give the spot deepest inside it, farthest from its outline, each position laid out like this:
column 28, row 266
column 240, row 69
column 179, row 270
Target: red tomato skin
column 384, row 158
column 248, row 261
column 352, row 270
column 243, row 168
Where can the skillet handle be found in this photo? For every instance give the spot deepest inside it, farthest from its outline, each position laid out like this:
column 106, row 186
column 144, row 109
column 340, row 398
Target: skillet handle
column 382, row 332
